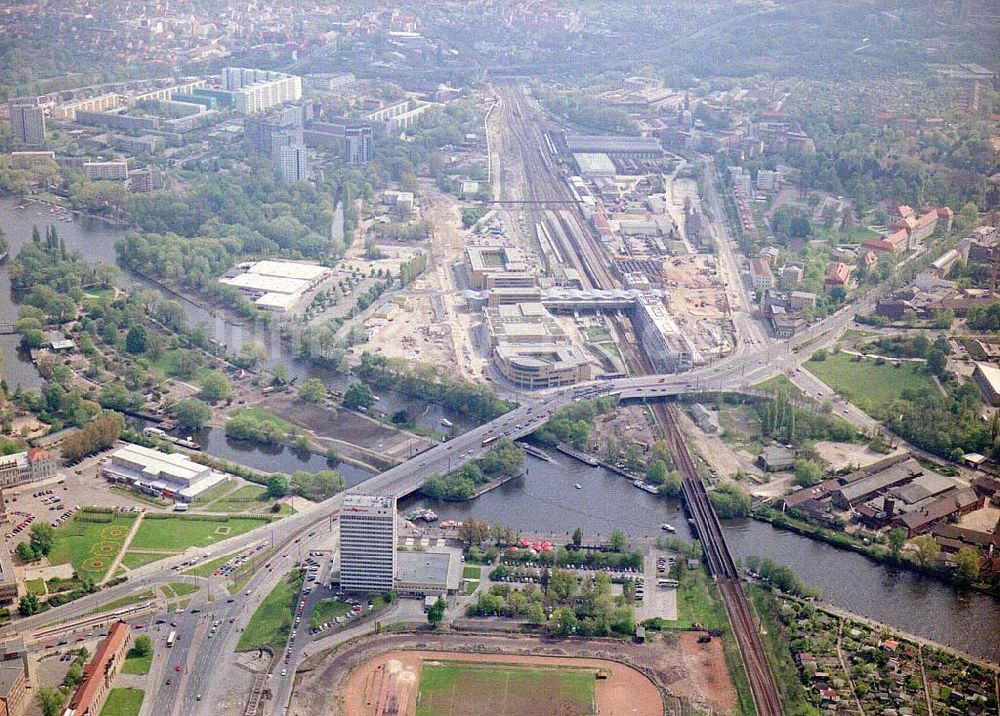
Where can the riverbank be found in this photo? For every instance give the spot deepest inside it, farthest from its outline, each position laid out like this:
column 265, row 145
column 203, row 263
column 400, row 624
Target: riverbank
column 875, row 552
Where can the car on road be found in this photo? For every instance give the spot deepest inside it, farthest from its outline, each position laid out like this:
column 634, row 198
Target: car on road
column 177, row 668
column 169, row 681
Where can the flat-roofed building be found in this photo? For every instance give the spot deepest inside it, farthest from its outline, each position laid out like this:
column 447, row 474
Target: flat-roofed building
column 987, row 377
column 258, row 90
column 542, row 366
column 522, row 323
column 100, row 672
column 102, row 103
column 106, row 171
column 428, row 573
column 513, row 294
column 368, row 543
column 277, row 285
column 610, row 144
column 175, row 476
column 32, row 160
column 30, row 466
column 497, row 267
column 595, row 165
column 27, row 123
column 665, row 346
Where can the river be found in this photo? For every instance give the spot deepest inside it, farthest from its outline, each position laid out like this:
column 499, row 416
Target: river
column 545, row 498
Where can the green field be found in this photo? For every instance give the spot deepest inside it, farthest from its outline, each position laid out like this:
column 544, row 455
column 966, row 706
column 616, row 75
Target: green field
column 126, row 601
column 206, row 569
column 90, row 547
column 134, row 560
column 272, row 621
column 178, row 589
column 449, row 687
column 869, row 386
column 177, row 533
column 35, row 586
column 265, row 416
column 327, row 610
column 123, row 702
column 471, row 572
column 135, row 664
column 249, row 498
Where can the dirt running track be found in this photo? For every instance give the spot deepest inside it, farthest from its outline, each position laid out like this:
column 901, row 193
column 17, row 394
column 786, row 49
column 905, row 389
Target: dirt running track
column 625, row 692
column 675, row 670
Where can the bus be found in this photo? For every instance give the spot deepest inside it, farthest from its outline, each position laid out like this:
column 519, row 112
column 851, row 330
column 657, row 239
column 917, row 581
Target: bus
column 171, row 638
column 490, row 439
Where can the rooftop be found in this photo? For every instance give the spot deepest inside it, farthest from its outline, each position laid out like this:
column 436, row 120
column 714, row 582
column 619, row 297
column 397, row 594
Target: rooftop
column 423, row 568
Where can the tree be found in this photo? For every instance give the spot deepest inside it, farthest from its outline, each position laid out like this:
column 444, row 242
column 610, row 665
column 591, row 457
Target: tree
column 143, row 646
column 577, row 537
column 536, row 614
column 937, row 361
column 43, row 537
column 435, row 614
column 657, row 472
column 808, row 472
column 897, row 538
column 633, row 457
column 312, row 391
column 252, row 354
column 358, row 395
column 136, row 340
column 28, row 605
column 215, row 386
column 618, row 541
column 277, row 486
column 192, row 413
column 967, row 563
column 927, row 549
column 474, row 532
column 50, row 700
column 562, row 584
column 25, row 552
column 564, row 622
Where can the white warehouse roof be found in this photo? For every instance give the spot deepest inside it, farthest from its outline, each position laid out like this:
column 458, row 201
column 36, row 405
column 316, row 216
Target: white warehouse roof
column 267, row 284
column 289, row 269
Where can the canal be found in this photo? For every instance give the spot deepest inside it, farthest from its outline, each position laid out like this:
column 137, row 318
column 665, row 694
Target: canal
column 545, row 498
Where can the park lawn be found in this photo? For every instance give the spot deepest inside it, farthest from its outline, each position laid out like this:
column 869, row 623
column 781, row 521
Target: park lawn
column 178, row 589
column 272, row 621
column 177, row 533
column 123, row 702
column 471, row 572
column 867, row 385
column 208, row 568
column 125, row 601
column 508, row 688
column 35, row 586
column 134, row 560
column 135, row 664
column 213, row 494
column 327, row 610
column 249, row 498
column 90, row 547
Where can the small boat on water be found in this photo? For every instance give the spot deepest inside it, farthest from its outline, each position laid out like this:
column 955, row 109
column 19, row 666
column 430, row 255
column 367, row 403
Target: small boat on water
column 447, row 423
column 578, row 486
column 668, row 527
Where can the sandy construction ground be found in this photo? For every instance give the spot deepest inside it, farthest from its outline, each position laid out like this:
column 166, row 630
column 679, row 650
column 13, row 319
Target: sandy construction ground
column 388, row 684
column 841, row 455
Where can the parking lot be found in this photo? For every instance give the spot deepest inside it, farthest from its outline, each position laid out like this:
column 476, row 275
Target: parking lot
column 660, row 601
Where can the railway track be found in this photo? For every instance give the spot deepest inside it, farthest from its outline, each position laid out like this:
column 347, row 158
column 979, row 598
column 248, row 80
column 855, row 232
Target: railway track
column 723, row 568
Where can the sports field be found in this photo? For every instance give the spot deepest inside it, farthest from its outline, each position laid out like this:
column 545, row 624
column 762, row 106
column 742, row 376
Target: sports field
column 426, row 682
column 504, row 689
